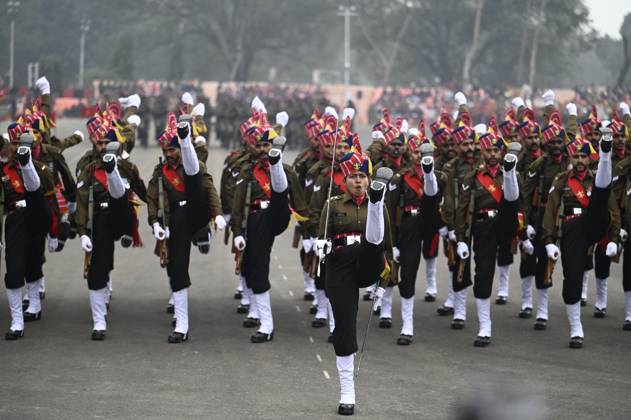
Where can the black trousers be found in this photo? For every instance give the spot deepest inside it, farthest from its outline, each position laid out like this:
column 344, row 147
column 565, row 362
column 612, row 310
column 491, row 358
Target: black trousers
column 108, row 225
column 184, row 222
column 348, row 269
column 535, row 264
column 626, row 267
column 602, row 263
column 263, row 226
column 577, row 236
column 25, row 232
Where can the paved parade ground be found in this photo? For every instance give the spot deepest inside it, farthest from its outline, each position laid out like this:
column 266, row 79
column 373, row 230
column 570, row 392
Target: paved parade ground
column 57, row 372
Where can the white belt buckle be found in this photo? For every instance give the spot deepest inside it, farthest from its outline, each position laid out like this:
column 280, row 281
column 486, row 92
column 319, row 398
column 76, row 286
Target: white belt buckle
column 353, row 239
column 182, row 203
column 492, row 213
column 104, row 205
column 20, row 204
column 577, row 210
column 264, row 204
column 414, row 212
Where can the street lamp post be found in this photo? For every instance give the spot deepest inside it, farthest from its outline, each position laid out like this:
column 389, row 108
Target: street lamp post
column 12, row 9
column 84, row 28
column 347, row 12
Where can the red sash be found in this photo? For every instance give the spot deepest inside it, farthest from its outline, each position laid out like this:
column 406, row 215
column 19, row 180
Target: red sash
column 578, row 191
column 415, row 183
column 174, row 179
column 487, row 182
column 263, row 179
column 14, row 178
column 338, row 179
column 101, row 177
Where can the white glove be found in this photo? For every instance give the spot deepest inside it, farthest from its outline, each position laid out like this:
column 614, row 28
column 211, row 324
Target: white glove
column 79, row 133
column 517, row 102
column 43, row 85
column 199, row 140
column 443, row 231
column 452, row 235
column 282, row 118
column 623, row 235
column 220, row 222
column 72, row 206
column 553, row 251
column 530, row 232
column 462, row 250
column 612, row 249
column 86, row 243
column 348, row 113
column 624, row 108
column 134, row 119
column 187, row 98
column 239, row 243
column 460, row 99
column 395, row 254
column 571, row 109
column 199, row 110
column 378, row 295
column 52, row 244
column 323, row 247
column 527, row 247
column 158, row 232
column 548, row 97
column 258, row 105
column 307, row 244
column 227, row 217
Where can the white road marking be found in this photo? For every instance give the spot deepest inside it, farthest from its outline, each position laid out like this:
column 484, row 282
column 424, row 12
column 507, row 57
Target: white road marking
column 326, row 374
column 311, row 339
column 280, row 267
column 291, row 293
column 284, row 277
column 298, row 308
column 319, row 358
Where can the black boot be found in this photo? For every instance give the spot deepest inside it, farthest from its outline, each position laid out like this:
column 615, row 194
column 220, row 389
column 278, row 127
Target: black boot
column 308, row 297
column 429, row 297
column 576, row 342
column 385, row 323
column 29, row 317
column 238, row 294
column 525, row 313
column 482, row 341
column 170, row 309
column 600, row 313
column 13, row 335
column 177, row 337
column 501, row 300
column 346, row 409
column 457, row 324
column 318, row 323
column 260, row 337
column 445, row 310
column 243, row 309
column 98, row 335
column 404, row 340
column 251, row 322
column 541, row 324
column 626, row 325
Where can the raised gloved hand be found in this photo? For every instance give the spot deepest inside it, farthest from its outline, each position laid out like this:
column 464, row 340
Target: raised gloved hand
column 109, row 162
column 159, row 233
column 86, row 243
column 571, row 109
column 553, row 251
column 79, row 134
column 530, row 232
column 43, row 85
column 134, row 120
column 624, row 108
column 239, row 243
column 53, row 244
column 183, row 130
column 517, row 102
column 187, row 98
column 452, row 235
column 307, row 244
column 282, row 118
column 612, row 249
column 462, row 250
column 396, row 254
column 548, row 97
column 460, row 99
column 527, row 247
column 199, row 110
column 220, row 222
column 378, row 295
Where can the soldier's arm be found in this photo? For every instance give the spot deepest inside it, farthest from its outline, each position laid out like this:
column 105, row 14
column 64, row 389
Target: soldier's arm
column 547, row 111
column 374, row 150
column 323, row 221
column 136, row 183
column 614, row 219
column 572, row 125
column 297, row 197
column 530, row 183
column 238, row 205
column 213, row 197
column 201, row 150
column 393, row 197
column 152, row 200
column 466, row 189
column 316, row 204
column 448, row 209
column 552, row 210
column 70, row 187
column 81, row 216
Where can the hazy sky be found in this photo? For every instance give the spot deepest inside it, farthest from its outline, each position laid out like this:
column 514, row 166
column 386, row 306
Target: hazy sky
column 607, row 15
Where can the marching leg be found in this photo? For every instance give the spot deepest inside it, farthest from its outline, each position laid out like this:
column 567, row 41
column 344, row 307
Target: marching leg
column 460, row 309
column 321, row 315
column 430, row 272
column 16, row 331
column 34, row 310
column 541, row 321
column 385, row 316
column 483, row 307
column 526, row 297
column 576, row 328
column 407, row 315
column 600, row 309
column 502, row 290
column 180, row 303
column 266, row 330
column 99, row 311
column 253, row 319
column 345, row 369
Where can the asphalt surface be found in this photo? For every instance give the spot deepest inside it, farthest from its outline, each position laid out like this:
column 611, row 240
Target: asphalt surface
column 57, row 372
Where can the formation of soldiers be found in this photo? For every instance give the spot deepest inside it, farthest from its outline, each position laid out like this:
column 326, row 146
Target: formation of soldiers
column 363, row 219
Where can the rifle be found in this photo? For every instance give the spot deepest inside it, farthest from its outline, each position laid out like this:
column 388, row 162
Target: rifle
column 238, row 255
column 547, row 280
column 471, row 209
column 88, row 255
column 226, row 235
column 451, row 253
column 296, row 239
column 162, row 246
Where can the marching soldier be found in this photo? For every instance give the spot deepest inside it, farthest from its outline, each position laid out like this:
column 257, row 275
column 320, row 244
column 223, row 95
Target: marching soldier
column 351, row 240
column 181, row 199
column 487, row 215
column 27, row 188
column 583, row 204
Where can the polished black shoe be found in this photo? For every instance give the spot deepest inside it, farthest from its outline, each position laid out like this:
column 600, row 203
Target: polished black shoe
column 626, row 325
column 251, row 322
column 243, row 309
column 429, row 297
column 330, row 339
column 313, row 309
column 260, row 337
column 482, row 341
column 576, row 342
column 13, row 335
column 457, row 324
column 600, row 313
column 29, row 317
column 170, row 309
column 318, row 323
column 501, row 300
column 308, row 297
column 377, row 311
column 367, row 296
column 42, row 295
column 98, row 335
column 445, row 310
column 541, row 324
column 404, row 340
column 525, row 313
column 238, row 294
column 385, row 323
column 583, row 302
column 177, row 337
column 346, row 409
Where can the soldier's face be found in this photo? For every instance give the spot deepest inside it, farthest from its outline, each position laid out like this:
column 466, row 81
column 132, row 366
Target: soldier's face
column 327, row 151
column 313, row 142
column 513, row 137
column 619, row 141
column 172, row 155
column 491, row 155
column 262, row 148
column 100, row 147
column 341, row 149
column 532, row 142
column 395, row 148
column 555, row 146
column 449, row 149
column 416, row 156
column 466, row 149
column 593, row 137
column 580, row 161
column 13, row 146
column 357, row 183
